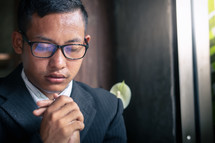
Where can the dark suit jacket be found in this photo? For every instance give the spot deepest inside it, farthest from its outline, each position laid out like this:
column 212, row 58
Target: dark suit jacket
column 102, row 113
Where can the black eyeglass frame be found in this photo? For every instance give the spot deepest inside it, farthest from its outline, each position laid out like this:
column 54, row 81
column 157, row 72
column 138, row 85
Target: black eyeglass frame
column 30, row 43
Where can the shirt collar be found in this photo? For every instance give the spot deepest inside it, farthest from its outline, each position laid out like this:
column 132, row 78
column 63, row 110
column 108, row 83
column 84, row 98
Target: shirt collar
column 37, row 95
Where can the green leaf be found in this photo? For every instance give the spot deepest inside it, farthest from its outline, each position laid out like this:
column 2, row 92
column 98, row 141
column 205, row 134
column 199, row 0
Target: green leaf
column 121, row 90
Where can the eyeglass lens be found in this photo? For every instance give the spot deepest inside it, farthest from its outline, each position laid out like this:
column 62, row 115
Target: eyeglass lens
column 46, row 50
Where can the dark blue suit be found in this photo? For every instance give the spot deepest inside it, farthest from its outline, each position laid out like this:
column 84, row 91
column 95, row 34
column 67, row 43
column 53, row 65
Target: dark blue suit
column 102, row 113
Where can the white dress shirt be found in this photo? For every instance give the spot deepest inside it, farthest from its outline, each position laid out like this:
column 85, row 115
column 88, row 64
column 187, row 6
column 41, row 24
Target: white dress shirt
column 37, row 95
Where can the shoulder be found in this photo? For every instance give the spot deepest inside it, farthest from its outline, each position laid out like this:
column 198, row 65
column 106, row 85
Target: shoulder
column 14, row 76
column 10, row 82
column 102, row 98
column 3, row 89
column 99, row 94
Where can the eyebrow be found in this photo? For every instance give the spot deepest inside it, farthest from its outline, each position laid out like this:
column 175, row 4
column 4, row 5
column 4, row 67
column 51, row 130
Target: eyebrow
column 44, row 39
column 74, row 40
column 52, row 41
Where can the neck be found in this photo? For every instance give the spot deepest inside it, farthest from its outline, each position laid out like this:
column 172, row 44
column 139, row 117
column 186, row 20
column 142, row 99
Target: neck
column 49, row 94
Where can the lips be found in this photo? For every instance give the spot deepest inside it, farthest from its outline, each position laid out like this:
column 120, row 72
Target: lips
column 55, row 78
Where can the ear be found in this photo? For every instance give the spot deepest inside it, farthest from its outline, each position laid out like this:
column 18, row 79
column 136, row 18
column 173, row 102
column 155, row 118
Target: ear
column 17, row 42
column 88, row 37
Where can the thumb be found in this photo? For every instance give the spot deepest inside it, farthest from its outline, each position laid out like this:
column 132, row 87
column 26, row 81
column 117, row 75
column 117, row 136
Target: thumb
column 56, row 95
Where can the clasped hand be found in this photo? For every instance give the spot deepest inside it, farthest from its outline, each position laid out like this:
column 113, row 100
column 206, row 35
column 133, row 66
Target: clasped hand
column 62, row 120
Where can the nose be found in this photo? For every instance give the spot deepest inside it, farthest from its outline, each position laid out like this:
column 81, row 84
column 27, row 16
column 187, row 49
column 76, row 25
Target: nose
column 57, row 61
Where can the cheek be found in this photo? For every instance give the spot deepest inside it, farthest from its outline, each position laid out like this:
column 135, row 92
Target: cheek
column 26, row 59
column 33, row 65
column 74, row 67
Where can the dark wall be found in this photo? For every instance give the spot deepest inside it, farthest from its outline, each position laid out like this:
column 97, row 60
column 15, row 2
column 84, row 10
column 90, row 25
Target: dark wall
column 6, row 28
column 98, row 68
column 6, row 25
column 145, row 42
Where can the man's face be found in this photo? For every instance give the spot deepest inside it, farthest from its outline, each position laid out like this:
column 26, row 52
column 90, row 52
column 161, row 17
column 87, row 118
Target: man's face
column 54, row 73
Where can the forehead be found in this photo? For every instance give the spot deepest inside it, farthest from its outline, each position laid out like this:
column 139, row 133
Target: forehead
column 57, row 21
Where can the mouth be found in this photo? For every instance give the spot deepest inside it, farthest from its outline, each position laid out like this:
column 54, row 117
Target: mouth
column 55, row 78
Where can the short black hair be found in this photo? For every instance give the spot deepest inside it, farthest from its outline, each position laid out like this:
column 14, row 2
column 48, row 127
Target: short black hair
column 44, row 7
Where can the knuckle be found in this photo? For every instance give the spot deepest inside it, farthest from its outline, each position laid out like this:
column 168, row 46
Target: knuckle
column 48, row 111
column 83, row 126
column 75, row 106
column 82, row 117
column 53, row 116
column 65, row 99
column 72, row 106
column 80, row 125
column 59, row 123
column 64, row 132
column 77, row 114
column 61, row 98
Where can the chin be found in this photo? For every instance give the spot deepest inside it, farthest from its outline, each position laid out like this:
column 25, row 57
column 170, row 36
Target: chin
column 51, row 90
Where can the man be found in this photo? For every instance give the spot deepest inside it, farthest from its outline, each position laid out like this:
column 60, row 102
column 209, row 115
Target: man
column 39, row 101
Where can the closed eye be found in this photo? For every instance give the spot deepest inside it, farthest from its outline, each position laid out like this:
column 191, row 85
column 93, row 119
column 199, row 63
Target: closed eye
column 73, row 48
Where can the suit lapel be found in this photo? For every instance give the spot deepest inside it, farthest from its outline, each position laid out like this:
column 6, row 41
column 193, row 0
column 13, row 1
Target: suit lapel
column 19, row 103
column 86, row 105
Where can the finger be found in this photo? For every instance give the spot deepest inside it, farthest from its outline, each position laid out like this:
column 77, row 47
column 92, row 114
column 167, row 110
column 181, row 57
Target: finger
column 73, row 127
column 58, row 103
column 75, row 137
column 66, row 109
column 75, row 115
column 69, row 113
column 44, row 103
column 76, row 125
column 72, row 130
column 56, row 96
column 39, row 112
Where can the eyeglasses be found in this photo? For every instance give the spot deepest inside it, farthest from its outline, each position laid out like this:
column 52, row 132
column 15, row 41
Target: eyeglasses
column 47, row 50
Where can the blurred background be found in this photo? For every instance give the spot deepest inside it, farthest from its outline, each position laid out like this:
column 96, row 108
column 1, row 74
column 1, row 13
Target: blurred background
column 163, row 49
